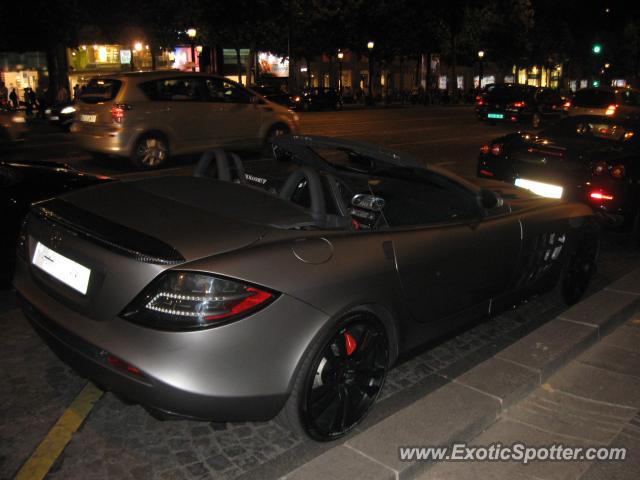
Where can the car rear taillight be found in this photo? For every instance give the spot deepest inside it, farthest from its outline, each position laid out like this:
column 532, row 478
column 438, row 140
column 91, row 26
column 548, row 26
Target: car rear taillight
column 600, row 168
column 118, row 111
column 599, row 196
column 191, row 301
column 617, row 171
column 566, row 105
column 519, row 104
column 479, row 100
column 611, row 110
column 485, row 149
column 496, row 149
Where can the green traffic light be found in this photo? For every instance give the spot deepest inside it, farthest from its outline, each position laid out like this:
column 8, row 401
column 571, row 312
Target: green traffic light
column 597, row 48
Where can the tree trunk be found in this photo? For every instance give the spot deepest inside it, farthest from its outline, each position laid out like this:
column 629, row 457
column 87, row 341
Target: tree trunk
column 309, row 85
column 58, row 71
column 429, row 72
column 249, row 67
column 239, row 65
column 152, row 50
column 454, row 64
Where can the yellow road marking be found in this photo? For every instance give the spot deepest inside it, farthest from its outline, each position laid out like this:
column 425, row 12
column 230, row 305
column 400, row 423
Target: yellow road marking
column 40, row 461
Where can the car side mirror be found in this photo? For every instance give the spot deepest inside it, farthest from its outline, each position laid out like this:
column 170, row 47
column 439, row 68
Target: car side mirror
column 489, row 199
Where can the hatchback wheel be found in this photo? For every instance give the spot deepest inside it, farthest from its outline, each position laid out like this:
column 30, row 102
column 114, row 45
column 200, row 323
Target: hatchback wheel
column 151, row 151
column 338, row 385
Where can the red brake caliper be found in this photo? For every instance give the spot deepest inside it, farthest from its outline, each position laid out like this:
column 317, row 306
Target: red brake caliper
column 350, row 343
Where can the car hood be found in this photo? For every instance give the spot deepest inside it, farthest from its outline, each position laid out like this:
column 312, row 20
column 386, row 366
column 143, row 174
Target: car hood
column 563, row 150
column 196, row 217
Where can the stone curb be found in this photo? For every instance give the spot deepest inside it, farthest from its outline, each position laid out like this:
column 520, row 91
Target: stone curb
column 469, row 403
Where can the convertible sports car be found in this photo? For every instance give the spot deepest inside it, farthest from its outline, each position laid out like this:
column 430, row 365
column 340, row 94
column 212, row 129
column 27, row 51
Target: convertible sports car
column 287, row 287
column 588, row 158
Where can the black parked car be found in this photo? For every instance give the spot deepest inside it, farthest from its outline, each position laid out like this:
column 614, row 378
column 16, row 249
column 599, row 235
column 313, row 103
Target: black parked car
column 589, row 158
column 24, row 183
column 61, row 115
column 318, row 99
column 513, row 103
column 275, row 95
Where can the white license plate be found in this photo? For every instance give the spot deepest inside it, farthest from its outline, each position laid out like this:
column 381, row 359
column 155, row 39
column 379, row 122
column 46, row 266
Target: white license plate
column 88, row 118
column 539, row 188
column 62, row 268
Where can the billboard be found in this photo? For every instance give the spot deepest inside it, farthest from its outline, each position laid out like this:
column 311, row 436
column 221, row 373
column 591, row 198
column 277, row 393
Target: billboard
column 272, row 65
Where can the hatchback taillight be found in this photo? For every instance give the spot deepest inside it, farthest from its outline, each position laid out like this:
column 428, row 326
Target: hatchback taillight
column 118, row 111
column 518, row 104
column 496, row 149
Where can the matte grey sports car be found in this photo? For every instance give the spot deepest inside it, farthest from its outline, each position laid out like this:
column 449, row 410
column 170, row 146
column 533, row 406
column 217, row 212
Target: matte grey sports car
column 286, row 286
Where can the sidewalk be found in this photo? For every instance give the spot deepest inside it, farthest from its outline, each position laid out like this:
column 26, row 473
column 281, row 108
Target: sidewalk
column 574, row 381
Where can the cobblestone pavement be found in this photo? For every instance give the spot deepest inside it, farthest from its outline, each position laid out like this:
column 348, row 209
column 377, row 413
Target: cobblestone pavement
column 121, row 441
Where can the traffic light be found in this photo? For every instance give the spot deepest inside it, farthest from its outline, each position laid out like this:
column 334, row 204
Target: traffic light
column 597, row 48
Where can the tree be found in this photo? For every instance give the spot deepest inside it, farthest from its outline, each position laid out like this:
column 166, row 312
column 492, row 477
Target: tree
column 47, row 26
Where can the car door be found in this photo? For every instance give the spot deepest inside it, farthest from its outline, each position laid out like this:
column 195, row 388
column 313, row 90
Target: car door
column 178, row 106
column 237, row 115
column 451, row 257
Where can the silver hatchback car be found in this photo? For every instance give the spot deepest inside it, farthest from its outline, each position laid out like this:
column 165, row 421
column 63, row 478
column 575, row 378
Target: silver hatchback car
column 146, row 116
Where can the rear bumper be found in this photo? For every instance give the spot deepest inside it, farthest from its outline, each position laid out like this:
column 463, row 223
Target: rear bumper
column 240, row 371
column 105, row 140
column 92, row 362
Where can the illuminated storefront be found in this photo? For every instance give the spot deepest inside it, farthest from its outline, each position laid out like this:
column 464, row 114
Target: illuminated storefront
column 23, row 70
column 86, row 61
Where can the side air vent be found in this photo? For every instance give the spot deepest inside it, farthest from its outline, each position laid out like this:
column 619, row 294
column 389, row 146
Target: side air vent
column 545, row 251
column 103, row 232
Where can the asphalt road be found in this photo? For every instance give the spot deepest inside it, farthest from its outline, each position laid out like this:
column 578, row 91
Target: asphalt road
column 118, row 440
column 444, row 136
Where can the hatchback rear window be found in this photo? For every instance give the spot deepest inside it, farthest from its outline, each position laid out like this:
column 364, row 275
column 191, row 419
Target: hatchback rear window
column 594, row 98
column 101, row 90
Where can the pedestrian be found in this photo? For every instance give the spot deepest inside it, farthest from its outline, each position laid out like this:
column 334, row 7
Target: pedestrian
column 4, row 96
column 27, row 102
column 62, row 96
column 13, row 99
column 76, row 91
column 41, row 99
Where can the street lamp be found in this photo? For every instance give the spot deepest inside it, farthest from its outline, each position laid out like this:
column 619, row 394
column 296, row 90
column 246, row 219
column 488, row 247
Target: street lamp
column 191, row 33
column 370, row 46
column 481, row 69
column 340, row 57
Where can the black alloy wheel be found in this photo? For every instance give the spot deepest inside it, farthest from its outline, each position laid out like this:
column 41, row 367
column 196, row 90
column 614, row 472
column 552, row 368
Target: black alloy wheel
column 344, row 379
column 578, row 270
